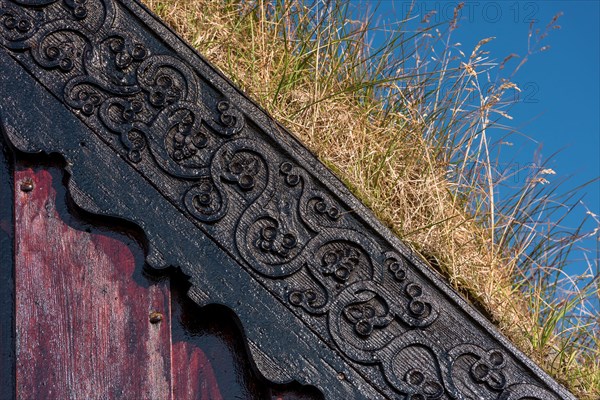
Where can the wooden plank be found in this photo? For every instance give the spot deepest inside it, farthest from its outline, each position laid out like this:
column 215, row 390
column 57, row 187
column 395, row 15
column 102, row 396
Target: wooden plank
column 153, row 134
column 83, row 316
column 82, row 305
column 194, row 376
column 7, row 339
column 210, row 359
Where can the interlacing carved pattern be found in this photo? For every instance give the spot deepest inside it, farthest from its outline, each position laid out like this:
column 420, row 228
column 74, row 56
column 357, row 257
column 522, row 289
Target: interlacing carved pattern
column 283, row 225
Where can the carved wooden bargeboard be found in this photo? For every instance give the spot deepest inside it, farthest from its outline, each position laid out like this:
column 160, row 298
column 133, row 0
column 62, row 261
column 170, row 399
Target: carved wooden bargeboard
column 152, row 134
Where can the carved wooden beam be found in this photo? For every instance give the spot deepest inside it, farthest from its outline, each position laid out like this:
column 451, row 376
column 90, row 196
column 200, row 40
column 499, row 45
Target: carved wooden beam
column 153, row 134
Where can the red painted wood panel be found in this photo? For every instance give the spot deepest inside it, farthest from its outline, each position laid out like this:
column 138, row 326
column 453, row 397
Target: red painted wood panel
column 82, row 305
column 198, row 379
column 208, row 340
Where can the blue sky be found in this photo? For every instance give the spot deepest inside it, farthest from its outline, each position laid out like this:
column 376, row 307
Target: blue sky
column 559, row 107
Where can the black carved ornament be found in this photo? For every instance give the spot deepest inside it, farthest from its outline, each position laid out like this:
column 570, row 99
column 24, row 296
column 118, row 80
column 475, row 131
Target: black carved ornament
column 327, row 296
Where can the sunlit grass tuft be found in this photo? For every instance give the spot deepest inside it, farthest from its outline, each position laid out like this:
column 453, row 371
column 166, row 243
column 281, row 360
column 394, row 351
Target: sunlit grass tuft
column 408, row 126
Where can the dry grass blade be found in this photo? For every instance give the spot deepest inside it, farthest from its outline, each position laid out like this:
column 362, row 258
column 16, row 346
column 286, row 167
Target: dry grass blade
column 407, row 126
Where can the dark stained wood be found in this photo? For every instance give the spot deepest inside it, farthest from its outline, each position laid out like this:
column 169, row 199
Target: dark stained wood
column 7, row 339
column 205, row 340
column 296, row 392
column 197, row 380
column 154, row 135
column 210, row 357
column 83, row 306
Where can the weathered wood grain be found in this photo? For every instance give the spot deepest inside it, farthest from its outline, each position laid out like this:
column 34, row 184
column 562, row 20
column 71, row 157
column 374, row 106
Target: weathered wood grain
column 207, row 340
column 204, row 347
column 152, row 134
column 7, row 339
column 210, row 358
column 83, row 309
column 82, row 306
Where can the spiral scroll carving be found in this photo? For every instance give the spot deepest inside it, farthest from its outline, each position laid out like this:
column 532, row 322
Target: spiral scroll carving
column 151, row 107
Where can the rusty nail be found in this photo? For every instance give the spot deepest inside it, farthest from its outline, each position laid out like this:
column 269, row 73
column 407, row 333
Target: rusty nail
column 27, row 185
column 155, row 317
